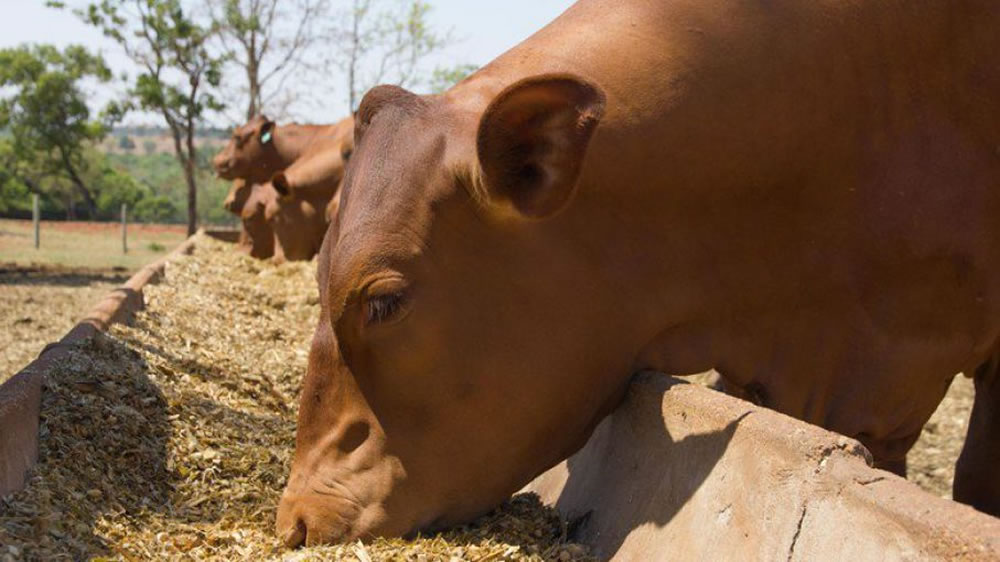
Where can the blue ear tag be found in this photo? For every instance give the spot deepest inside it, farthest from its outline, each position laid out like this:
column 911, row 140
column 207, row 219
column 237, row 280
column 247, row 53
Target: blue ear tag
column 265, row 138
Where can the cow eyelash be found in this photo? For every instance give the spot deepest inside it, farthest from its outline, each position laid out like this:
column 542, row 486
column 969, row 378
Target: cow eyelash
column 380, row 308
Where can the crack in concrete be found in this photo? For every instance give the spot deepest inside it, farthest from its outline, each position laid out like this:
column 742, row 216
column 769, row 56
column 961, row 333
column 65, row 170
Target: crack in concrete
column 865, row 482
column 798, row 531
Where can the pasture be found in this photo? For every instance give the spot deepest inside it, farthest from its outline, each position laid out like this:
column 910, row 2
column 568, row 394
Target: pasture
column 91, row 245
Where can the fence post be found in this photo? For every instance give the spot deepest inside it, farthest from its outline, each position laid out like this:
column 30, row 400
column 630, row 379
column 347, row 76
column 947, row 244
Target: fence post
column 124, row 229
column 36, row 217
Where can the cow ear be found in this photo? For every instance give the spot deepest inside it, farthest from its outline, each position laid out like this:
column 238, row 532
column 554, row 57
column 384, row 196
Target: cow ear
column 532, row 140
column 266, row 131
column 377, row 99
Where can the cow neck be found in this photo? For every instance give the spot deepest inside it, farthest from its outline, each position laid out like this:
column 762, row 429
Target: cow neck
column 291, row 142
column 624, row 199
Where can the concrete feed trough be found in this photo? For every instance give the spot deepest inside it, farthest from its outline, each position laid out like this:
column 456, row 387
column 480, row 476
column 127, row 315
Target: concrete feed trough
column 678, row 472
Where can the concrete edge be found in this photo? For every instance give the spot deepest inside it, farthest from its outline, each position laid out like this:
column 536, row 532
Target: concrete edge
column 767, row 467
column 21, row 395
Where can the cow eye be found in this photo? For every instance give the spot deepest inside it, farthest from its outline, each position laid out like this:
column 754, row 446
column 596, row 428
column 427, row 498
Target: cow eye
column 384, row 301
column 382, row 308
column 346, row 155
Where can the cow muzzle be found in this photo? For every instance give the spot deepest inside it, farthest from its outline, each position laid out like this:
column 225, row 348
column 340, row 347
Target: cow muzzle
column 223, row 168
column 343, row 490
column 310, row 517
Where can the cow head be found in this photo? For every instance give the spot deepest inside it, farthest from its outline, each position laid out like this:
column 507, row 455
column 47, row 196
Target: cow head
column 248, row 150
column 458, row 352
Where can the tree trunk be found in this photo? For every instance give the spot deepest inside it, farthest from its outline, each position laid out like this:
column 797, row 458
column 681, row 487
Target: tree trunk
column 188, row 162
column 70, row 207
column 253, row 78
column 189, row 175
column 88, row 198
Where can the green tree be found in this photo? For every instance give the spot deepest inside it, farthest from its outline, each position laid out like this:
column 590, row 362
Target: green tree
column 157, row 209
column 444, row 78
column 116, row 188
column 44, row 109
column 16, row 185
column 178, row 74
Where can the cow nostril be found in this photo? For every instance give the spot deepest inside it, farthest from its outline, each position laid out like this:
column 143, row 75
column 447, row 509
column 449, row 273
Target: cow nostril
column 295, row 535
column 356, row 434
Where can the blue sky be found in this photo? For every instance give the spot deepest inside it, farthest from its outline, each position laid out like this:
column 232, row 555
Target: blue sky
column 485, row 30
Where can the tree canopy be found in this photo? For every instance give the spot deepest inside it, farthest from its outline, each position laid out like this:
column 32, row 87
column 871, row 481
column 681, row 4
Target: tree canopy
column 178, row 74
column 47, row 115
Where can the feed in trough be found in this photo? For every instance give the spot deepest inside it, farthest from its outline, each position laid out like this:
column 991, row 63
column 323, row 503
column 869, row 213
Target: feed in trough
column 172, row 438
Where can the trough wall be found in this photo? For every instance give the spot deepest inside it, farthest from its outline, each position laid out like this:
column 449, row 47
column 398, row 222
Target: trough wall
column 681, row 472
column 21, row 395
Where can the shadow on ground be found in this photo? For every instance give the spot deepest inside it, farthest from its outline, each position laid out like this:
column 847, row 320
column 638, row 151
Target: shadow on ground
column 12, row 274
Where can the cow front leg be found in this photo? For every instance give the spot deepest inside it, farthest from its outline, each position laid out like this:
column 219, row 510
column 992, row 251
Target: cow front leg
column 897, row 467
column 977, row 480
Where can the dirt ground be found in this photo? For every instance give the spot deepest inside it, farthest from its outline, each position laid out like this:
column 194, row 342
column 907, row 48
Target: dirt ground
column 39, row 304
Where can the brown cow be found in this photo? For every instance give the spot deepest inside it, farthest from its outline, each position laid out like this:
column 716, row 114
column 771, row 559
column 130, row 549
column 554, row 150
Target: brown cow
column 246, row 201
column 307, row 165
column 307, row 189
column 802, row 195
column 260, row 148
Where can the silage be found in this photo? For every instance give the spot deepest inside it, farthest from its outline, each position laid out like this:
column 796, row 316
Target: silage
column 172, row 438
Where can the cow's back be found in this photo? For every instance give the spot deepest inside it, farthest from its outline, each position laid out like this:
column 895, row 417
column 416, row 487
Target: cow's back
column 805, row 195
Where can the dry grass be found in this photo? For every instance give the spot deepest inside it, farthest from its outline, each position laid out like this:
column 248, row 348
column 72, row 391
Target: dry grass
column 86, row 244
column 932, row 459
column 171, row 439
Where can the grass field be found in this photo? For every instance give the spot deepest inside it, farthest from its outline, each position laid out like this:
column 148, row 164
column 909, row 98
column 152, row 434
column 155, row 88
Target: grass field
column 86, row 244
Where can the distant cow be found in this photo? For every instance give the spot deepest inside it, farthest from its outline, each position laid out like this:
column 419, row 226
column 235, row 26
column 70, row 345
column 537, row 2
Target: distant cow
column 308, row 191
column 307, row 165
column 248, row 201
column 260, row 148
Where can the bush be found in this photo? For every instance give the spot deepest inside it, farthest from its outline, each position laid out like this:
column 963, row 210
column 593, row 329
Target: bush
column 156, row 208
